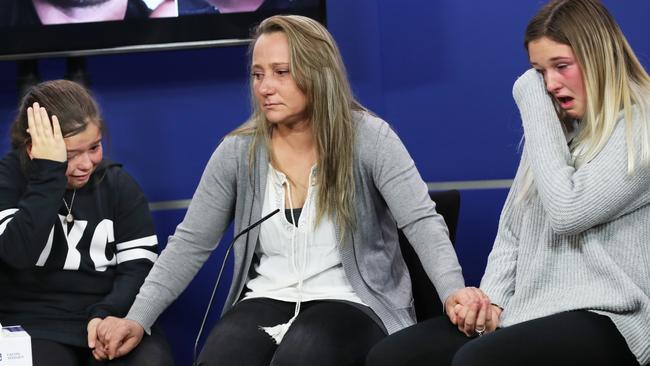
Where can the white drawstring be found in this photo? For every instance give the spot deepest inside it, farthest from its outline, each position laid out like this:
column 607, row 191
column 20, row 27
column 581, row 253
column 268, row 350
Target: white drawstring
column 277, row 332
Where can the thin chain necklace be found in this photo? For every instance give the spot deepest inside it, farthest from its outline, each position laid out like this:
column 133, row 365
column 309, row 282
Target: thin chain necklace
column 69, row 217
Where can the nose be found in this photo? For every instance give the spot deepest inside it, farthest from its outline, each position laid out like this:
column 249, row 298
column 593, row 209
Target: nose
column 266, row 86
column 552, row 83
column 84, row 162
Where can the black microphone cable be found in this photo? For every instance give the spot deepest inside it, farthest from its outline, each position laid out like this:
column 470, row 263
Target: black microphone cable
column 216, row 284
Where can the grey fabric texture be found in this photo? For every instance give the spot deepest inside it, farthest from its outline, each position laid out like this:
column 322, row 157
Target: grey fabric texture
column 389, row 194
column 580, row 240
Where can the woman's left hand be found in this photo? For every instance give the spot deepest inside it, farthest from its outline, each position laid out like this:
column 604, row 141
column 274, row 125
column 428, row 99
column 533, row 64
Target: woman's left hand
column 471, row 311
column 464, row 296
column 94, row 343
column 479, row 320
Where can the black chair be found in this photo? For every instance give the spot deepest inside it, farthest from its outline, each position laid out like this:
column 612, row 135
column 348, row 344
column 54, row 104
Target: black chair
column 425, row 296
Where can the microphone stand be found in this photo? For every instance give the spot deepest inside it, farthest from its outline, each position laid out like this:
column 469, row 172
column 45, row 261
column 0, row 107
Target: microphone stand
column 216, row 284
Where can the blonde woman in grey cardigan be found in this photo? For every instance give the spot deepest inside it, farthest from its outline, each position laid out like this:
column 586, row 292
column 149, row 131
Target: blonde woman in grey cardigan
column 323, row 281
column 569, row 273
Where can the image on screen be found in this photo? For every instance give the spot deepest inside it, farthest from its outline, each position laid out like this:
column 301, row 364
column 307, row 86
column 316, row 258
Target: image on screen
column 31, row 29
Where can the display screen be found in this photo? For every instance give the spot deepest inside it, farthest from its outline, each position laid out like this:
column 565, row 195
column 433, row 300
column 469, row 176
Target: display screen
column 42, row 28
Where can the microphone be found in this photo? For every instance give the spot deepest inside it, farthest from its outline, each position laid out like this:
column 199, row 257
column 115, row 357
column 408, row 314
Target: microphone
column 216, row 284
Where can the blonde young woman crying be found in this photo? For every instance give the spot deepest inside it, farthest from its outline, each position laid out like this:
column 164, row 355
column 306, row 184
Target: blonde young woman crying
column 567, row 277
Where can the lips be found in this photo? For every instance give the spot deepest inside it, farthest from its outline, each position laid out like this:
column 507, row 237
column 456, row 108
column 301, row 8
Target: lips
column 565, row 102
column 81, row 177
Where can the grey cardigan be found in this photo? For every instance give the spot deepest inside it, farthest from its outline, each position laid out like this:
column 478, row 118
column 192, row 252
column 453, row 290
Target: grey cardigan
column 389, row 194
column 581, row 240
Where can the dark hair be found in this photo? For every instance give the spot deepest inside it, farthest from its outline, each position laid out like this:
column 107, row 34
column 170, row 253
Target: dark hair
column 69, row 101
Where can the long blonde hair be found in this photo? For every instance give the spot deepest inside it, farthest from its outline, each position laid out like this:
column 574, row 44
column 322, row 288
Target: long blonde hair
column 317, row 68
column 614, row 78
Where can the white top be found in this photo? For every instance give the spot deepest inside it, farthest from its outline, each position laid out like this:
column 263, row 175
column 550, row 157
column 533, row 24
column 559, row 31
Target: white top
column 297, row 263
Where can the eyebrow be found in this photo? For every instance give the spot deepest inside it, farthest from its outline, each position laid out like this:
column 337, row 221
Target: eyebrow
column 89, row 145
column 556, row 58
column 274, row 64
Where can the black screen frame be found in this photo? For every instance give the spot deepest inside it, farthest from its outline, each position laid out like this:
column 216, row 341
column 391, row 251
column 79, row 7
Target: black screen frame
column 136, row 35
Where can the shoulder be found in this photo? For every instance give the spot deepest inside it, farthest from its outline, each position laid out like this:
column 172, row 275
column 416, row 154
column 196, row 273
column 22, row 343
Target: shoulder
column 235, row 143
column 374, row 136
column 137, row 9
column 372, row 130
column 11, row 161
column 232, row 150
column 113, row 176
column 230, row 155
column 10, row 170
column 640, row 118
column 369, row 126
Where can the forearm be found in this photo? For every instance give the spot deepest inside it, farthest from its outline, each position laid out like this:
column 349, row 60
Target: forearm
column 576, row 199
column 195, row 238
column 407, row 197
column 430, row 240
column 172, row 272
column 126, row 285
column 28, row 222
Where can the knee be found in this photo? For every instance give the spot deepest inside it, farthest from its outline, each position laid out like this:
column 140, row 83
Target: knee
column 385, row 353
column 470, row 355
column 291, row 354
column 152, row 351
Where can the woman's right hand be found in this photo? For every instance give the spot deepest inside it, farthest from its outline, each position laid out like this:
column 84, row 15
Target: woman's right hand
column 119, row 336
column 47, row 140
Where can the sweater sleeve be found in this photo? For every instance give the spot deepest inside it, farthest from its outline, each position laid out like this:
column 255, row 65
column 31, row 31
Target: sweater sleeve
column 207, row 218
column 27, row 217
column 136, row 245
column 576, row 199
column 498, row 282
column 407, row 197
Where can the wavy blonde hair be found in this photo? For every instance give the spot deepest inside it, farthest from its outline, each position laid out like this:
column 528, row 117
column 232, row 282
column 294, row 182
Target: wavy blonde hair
column 614, row 78
column 316, row 66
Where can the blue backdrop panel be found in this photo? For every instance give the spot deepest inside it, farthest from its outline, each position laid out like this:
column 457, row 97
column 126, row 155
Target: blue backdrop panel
column 182, row 319
column 477, row 228
column 439, row 71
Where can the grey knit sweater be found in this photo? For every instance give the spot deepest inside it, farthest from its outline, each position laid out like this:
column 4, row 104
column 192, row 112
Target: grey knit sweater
column 581, row 240
column 389, row 193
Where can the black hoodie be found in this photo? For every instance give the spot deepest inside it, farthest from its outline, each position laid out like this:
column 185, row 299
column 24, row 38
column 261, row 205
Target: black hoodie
column 55, row 276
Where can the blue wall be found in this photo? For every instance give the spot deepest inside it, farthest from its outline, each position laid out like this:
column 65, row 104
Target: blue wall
column 439, row 71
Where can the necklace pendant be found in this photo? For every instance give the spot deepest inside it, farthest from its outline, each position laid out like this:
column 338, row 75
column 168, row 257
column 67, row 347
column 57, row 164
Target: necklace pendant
column 69, row 218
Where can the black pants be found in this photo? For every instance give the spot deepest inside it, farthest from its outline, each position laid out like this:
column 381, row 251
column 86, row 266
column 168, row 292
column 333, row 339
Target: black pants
column 152, row 351
column 325, row 333
column 571, row 338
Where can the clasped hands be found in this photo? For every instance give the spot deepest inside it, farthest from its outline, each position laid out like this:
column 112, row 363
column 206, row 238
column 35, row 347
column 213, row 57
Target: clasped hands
column 472, row 312
column 113, row 337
